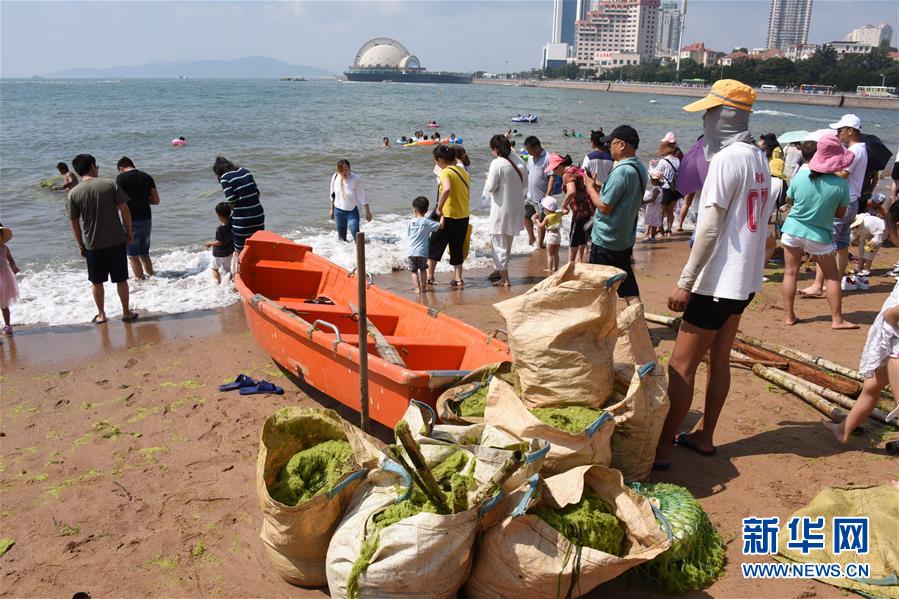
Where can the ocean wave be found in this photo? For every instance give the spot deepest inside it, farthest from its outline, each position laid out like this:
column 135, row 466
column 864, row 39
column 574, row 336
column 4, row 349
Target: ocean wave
column 60, row 294
column 780, row 113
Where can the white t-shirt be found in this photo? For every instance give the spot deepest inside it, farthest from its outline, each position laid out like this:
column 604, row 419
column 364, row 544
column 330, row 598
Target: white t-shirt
column 738, row 181
column 599, row 164
column 857, row 170
column 349, row 194
column 668, row 167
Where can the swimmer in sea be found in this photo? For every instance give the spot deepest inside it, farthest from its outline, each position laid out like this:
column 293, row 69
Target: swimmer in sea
column 69, row 180
column 564, row 132
column 386, row 143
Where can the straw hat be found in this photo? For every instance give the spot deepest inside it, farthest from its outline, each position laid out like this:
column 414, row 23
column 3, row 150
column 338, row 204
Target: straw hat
column 725, row 92
column 5, row 234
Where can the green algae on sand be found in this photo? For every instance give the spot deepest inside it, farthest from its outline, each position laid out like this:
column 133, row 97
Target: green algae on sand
column 6, row 545
column 312, row 471
column 571, row 419
column 455, row 476
column 587, row 523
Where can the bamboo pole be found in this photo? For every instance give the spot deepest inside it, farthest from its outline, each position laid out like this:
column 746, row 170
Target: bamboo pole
column 668, row 321
column 430, row 487
column 803, row 357
column 837, row 398
column 496, row 482
column 804, row 371
column 744, row 360
column 363, row 332
column 801, row 391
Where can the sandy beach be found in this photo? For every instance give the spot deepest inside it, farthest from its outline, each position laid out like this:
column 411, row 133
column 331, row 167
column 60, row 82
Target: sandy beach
column 126, row 473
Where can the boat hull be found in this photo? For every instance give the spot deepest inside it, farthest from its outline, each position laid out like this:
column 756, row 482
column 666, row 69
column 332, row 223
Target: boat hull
column 320, row 345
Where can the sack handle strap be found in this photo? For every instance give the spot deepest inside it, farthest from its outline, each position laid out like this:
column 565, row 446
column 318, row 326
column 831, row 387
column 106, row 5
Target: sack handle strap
column 522, row 506
column 604, row 417
column 425, row 407
column 345, row 482
column 392, row 467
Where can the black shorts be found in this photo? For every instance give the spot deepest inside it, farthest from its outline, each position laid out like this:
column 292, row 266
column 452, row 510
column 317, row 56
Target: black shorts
column 578, row 235
column 107, row 263
column 619, row 259
column 709, row 313
column 453, row 235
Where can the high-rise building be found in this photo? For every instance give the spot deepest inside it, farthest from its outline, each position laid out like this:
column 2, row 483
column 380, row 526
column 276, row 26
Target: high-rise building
column 565, row 14
column 616, row 33
column 788, row 23
column 669, row 27
column 871, row 35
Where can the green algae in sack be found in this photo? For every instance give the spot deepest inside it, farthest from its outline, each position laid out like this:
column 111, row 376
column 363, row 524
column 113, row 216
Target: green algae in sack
column 474, row 403
column 696, row 557
column 571, row 419
column 456, row 477
column 588, row 523
column 312, row 471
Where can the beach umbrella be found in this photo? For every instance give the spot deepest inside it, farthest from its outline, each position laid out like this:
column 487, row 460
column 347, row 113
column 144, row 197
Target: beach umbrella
column 878, row 154
column 791, row 137
column 693, row 169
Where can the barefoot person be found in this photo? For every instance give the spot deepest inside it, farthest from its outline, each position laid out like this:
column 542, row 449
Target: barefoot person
column 880, row 357
column 817, row 196
column 848, row 129
column 96, row 204
column 538, row 181
column 617, row 208
column 141, row 189
column 725, row 267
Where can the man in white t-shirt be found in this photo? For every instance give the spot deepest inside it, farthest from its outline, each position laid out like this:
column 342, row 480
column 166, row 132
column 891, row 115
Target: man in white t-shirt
column 848, row 129
column 725, row 267
column 538, row 182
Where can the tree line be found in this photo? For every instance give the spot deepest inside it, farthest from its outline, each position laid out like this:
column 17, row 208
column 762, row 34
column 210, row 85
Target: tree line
column 824, row 67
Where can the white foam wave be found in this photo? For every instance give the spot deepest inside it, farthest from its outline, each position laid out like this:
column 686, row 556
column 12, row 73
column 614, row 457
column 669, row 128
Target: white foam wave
column 61, row 294
column 766, row 112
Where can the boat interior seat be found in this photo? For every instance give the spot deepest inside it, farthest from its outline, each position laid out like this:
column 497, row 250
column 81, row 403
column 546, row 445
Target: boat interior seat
column 419, row 353
column 340, row 316
column 273, row 278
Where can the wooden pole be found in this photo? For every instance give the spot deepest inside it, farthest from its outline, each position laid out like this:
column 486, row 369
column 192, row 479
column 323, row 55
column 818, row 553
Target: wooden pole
column 801, row 391
column 385, row 350
column 668, row 321
column 837, row 398
column 809, row 373
column 496, row 482
column 431, row 487
column 803, row 357
column 363, row 332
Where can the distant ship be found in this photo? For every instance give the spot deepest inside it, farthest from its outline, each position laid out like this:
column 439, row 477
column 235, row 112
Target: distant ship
column 385, row 59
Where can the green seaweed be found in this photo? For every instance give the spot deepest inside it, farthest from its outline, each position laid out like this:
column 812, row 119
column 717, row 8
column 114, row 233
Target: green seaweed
column 312, row 471
column 475, row 404
column 588, row 523
column 571, row 419
column 696, row 557
column 6, row 545
column 456, row 477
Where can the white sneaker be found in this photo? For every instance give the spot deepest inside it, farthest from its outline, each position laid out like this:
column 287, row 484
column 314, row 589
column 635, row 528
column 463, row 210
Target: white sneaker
column 848, row 284
column 863, row 273
column 861, row 282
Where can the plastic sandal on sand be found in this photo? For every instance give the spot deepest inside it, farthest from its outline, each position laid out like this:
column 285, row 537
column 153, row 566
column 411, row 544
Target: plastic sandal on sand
column 262, row 387
column 457, row 284
column 683, row 441
column 131, row 317
column 240, row 382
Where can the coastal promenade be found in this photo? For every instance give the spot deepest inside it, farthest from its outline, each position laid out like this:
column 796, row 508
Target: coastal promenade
column 836, row 100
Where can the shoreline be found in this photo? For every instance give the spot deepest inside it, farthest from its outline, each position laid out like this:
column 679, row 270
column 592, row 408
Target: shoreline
column 672, row 90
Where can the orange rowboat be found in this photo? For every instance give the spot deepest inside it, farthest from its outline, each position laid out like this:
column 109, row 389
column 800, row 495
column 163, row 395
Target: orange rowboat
column 320, row 342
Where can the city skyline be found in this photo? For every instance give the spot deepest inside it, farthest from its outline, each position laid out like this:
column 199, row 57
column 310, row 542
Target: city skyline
column 39, row 37
column 788, row 23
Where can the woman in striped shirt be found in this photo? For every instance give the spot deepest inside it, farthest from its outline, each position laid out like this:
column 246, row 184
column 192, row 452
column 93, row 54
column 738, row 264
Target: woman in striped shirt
column 242, row 195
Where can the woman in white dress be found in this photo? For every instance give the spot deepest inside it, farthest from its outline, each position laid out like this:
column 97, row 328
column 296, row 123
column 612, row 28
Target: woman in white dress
column 506, row 186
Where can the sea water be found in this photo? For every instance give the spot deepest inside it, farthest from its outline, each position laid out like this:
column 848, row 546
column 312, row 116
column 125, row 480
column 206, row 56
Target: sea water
column 290, row 134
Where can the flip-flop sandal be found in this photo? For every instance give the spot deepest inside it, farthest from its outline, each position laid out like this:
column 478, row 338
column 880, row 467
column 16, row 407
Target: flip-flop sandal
column 457, row 284
column 684, row 442
column 262, row 387
column 494, row 276
column 432, row 282
column 239, row 382
column 131, row 317
column 96, row 320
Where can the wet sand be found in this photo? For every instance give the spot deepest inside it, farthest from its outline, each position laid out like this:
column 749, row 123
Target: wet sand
column 126, row 473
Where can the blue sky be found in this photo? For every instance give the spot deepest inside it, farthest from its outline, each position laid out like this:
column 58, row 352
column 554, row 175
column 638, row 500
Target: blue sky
column 37, row 37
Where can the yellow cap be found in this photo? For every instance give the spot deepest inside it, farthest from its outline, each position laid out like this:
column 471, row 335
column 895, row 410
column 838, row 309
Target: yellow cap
column 726, row 92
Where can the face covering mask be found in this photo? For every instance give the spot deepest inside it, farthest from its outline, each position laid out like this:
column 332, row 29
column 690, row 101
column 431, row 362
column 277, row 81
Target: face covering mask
column 722, row 127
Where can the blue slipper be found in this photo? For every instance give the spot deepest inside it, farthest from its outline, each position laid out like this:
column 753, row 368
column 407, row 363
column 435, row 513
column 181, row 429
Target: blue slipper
column 262, row 387
column 240, row 382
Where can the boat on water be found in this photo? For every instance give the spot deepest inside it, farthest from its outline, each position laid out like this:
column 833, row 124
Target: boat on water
column 300, row 308
column 653, row 101
column 529, row 118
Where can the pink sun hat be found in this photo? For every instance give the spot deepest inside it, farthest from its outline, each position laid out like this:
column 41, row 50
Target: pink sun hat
column 553, row 162
column 669, row 138
column 830, row 157
column 550, row 204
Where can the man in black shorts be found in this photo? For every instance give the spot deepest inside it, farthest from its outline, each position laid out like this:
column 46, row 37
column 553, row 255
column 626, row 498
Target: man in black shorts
column 725, row 267
column 97, row 204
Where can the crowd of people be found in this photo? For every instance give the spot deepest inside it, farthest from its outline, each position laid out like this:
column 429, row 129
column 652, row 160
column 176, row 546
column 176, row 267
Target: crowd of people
column 816, row 188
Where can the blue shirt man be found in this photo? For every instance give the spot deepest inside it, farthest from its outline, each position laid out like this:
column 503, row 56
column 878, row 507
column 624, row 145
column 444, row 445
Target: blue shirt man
column 617, row 206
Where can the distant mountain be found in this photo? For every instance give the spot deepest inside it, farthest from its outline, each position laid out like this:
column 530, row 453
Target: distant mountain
column 253, row 67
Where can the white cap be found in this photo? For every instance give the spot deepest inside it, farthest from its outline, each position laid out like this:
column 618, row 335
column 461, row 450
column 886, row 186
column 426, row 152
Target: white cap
column 848, row 120
column 817, row 135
